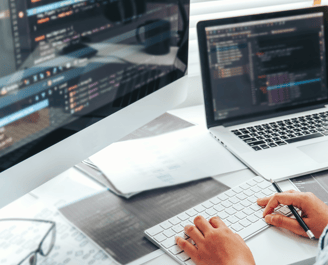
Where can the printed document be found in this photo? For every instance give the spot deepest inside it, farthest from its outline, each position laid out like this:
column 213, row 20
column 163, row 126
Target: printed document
column 164, row 160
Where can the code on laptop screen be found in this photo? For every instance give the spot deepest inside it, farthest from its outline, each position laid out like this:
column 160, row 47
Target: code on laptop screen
column 265, row 65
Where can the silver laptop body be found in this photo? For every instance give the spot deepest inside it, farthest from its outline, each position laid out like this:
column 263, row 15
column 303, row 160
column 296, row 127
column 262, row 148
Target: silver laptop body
column 265, row 88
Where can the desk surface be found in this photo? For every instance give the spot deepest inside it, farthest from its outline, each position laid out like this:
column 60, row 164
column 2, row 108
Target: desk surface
column 272, row 246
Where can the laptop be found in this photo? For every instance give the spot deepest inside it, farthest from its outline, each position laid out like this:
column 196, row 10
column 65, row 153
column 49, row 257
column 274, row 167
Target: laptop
column 265, row 89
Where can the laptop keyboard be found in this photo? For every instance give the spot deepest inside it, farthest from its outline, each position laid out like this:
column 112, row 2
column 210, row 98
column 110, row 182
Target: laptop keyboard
column 237, row 208
column 273, row 134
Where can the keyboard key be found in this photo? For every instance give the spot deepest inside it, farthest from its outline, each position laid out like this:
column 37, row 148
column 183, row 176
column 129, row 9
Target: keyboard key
column 215, row 200
column 230, row 193
column 238, row 206
column 185, row 223
column 267, row 192
column 226, row 204
column 245, row 186
column 169, row 242
column 256, row 143
column 160, row 237
column 259, row 195
column 155, row 230
column 264, row 184
column 248, row 211
column 259, row 214
column 233, row 219
column 237, row 227
column 257, row 148
column 183, row 216
column 246, row 203
column 199, row 208
column 245, row 222
column 166, row 224
column 237, row 133
column 230, row 211
column 207, row 204
column 252, row 199
column 249, row 192
column 241, row 196
column 252, row 218
column 174, row 220
column 227, row 223
column 175, row 250
column 258, row 179
column 234, row 200
column 205, row 215
column 284, row 210
column 256, row 207
column 244, row 136
column 183, row 256
column 251, row 183
column 240, row 215
column 237, row 190
column 256, row 189
column 223, row 197
column 219, row 208
column 191, row 212
column 247, row 231
column 169, row 233
column 264, row 146
column 222, row 215
column 306, row 137
column 272, row 145
column 177, row 228
column 248, row 140
column 182, row 235
column 211, row 212
column 280, row 143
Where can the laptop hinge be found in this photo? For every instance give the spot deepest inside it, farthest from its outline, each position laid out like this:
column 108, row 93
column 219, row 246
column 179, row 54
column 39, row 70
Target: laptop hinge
column 274, row 115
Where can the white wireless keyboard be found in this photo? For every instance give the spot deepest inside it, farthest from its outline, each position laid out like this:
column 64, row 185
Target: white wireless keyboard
column 237, row 208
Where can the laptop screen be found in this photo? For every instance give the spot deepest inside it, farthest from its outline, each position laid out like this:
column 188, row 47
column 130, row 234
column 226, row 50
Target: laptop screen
column 266, row 64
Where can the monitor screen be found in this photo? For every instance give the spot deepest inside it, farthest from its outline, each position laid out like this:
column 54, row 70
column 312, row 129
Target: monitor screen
column 266, row 65
column 65, row 65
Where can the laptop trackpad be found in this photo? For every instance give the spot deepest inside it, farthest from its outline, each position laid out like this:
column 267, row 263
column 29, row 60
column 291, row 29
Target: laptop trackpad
column 317, row 151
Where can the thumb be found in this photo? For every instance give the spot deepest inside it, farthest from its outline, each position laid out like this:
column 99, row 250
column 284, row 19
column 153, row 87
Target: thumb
column 285, row 222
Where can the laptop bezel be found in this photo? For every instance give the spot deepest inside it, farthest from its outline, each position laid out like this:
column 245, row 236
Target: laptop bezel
column 205, row 71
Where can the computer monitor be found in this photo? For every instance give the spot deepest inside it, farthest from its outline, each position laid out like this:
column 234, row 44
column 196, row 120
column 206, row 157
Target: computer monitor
column 77, row 75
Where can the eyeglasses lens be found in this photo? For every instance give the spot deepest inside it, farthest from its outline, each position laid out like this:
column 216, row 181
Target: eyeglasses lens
column 48, row 242
column 31, row 260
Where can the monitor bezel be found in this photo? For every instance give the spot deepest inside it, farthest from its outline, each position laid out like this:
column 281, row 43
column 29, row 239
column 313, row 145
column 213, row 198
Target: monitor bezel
column 206, row 76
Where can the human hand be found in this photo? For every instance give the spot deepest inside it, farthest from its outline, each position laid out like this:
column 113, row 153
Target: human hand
column 215, row 244
column 314, row 211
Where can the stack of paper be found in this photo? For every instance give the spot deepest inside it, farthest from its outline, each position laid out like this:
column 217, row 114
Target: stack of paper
column 169, row 159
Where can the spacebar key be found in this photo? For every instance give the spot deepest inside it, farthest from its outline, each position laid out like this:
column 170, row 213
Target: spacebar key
column 302, row 138
column 248, row 231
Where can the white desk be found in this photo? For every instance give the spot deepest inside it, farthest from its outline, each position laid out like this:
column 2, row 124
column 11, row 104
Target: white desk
column 271, row 247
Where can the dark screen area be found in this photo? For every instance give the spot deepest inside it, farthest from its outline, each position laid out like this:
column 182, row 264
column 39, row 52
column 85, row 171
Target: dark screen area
column 65, row 65
column 266, row 65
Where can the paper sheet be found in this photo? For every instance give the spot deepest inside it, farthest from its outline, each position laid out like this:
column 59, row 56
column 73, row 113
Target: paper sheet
column 117, row 225
column 165, row 160
column 18, row 239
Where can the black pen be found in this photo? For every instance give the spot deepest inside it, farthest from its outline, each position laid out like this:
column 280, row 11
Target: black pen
column 297, row 216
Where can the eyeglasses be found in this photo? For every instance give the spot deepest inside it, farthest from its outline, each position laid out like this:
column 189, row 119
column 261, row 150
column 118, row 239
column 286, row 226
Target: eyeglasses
column 46, row 245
